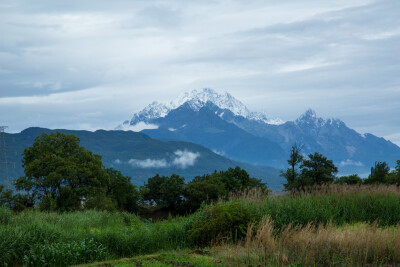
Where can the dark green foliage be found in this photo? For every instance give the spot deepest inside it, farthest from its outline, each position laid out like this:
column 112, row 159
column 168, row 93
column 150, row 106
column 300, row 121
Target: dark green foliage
column 394, row 176
column 57, row 167
column 315, row 170
column 171, row 191
column 197, row 192
column 61, row 175
column 378, row 173
column 16, row 202
column 151, row 191
column 218, row 185
column 291, row 174
column 349, row 179
column 6, row 197
column 237, row 179
column 65, row 254
column 164, row 191
column 122, row 191
column 222, row 220
column 381, row 174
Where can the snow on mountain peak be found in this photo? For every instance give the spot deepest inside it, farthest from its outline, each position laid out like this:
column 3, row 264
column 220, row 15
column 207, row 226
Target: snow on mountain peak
column 310, row 118
column 197, row 99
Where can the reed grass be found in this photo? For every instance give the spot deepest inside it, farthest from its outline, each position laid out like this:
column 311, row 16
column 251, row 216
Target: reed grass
column 311, row 245
column 280, row 225
column 339, row 204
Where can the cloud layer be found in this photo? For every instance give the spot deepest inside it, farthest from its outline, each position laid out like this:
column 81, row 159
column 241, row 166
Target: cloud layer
column 181, row 159
column 69, row 64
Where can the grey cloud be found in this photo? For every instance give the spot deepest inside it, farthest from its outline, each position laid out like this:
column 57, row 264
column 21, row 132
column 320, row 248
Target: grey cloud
column 180, row 159
column 338, row 57
column 149, row 163
column 349, row 162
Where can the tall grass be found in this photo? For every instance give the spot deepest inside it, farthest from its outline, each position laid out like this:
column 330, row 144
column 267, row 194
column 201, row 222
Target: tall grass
column 30, row 236
column 357, row 245
column 339, row 204
column 33, row 237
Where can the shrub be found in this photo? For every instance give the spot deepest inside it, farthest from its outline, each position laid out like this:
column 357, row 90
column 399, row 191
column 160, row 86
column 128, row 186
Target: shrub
column 221, row 221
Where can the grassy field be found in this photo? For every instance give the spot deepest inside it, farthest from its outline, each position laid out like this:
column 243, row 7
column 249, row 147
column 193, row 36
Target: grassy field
column 47, row 239
column 337, row 225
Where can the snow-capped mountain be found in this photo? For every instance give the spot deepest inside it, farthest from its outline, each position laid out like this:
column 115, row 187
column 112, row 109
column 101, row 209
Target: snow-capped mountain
column 310, row 119
column 196, row 100
column 225, row 125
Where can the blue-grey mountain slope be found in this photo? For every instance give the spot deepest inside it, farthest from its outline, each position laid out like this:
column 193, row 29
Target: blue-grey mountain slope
column 223, row 124
column 139, row 156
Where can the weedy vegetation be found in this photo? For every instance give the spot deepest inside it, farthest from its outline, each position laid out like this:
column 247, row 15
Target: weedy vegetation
column 330, row 225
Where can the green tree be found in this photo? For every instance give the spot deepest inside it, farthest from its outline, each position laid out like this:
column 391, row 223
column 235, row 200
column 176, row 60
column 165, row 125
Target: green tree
column 237, row 179
column 6, row 197
column 379, row 173
column 211, row 187
column 151, row 191
column 394, row 176
column 197, row 192
column 60, row 172
column 122, row 191
column 317, row 170
column 349, row 179
column 291, row 174
column 164, row 191
column 172, row 191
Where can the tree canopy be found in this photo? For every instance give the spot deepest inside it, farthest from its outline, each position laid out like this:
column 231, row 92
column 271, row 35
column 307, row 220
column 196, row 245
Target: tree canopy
column 61, row 174
column 314, row 170
column 164, row 191
column 291, row 174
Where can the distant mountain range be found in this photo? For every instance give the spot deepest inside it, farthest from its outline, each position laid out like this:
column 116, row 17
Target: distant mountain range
column 138, row 155
column 223, row 124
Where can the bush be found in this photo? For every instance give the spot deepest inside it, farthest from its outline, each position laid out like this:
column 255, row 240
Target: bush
column 224, row 220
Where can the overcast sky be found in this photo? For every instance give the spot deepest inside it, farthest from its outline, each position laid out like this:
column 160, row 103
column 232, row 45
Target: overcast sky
column 92, row 64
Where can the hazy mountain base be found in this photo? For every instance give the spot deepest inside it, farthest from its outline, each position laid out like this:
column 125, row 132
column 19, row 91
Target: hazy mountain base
column 127, row 150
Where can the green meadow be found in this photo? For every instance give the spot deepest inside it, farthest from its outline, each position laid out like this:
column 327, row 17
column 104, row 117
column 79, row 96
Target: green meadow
column 238, row 225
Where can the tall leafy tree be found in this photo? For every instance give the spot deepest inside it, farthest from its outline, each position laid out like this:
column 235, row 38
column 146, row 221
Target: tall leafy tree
column 164, row 191
column 122, row 191
column 60, row 172
column 172, row 191
column 291, row 174
column 151, row 191
column 317, row 169
column 394, row 176
column 204, row 190
column 379, row 173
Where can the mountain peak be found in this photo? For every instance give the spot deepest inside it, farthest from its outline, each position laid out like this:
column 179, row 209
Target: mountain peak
column 197, row 99
column 310, row 118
